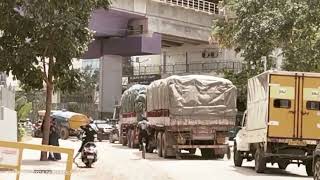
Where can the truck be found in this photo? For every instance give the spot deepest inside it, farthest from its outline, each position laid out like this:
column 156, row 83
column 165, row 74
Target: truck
column 132, row 108
column 68, row 123
column 281, row 124
column 191, row 112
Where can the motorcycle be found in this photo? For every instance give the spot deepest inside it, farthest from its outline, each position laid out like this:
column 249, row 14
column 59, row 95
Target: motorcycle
column 114, row 135
column 80, row 135
column 36, row 130
column 89, row 154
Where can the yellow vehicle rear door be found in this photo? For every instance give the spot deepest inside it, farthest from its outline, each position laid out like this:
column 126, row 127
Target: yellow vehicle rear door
column 282, row 106
column 310, row 108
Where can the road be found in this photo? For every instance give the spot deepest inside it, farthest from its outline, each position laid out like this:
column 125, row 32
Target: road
column 121, row 163
column 117, row 162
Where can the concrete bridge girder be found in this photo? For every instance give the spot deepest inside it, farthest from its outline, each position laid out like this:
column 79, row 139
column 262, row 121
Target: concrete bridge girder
column 158, row 23
column 154, row 17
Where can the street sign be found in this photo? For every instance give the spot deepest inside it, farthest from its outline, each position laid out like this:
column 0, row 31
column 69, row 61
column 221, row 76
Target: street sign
column 144, row 79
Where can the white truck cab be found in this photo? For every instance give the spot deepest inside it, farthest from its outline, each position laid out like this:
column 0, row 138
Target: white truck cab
column 241, row 139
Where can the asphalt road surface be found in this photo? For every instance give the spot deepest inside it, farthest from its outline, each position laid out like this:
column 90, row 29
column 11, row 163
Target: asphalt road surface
column 117, row 162
column 120, row 163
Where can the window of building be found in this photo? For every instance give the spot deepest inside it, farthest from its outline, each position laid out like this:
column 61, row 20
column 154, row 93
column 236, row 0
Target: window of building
column 313, row 105
column 282, row 103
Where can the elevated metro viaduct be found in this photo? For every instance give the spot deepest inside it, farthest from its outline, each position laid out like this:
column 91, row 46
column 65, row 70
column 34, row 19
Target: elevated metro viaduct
column 144, row 27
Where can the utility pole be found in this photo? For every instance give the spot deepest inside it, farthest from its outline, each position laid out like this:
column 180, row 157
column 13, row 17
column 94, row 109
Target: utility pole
column 139, row 65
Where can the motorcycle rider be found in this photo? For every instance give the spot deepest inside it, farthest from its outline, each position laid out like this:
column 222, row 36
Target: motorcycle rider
column 89, row 135
column 143, row 131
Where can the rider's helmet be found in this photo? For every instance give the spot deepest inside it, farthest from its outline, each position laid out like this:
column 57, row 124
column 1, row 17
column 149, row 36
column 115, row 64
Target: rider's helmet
column 144, row 118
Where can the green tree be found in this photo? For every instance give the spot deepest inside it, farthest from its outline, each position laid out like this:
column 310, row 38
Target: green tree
column 23, row 106
column 83, row 99
column 258, row 28
column 23, row 109
column 39, row 40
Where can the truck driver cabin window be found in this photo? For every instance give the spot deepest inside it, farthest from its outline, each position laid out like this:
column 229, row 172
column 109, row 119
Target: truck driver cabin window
column 282, row 103
column 313, row 105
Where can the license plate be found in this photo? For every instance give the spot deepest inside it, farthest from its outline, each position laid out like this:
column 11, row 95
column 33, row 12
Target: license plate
column 90, row 157
column 297, row 143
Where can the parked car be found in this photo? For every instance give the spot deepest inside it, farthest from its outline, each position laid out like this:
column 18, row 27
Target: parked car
column 104, row 129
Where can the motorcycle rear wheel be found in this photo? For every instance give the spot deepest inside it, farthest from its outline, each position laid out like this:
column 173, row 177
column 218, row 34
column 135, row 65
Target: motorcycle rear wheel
column 88, row 164
column 143, row 150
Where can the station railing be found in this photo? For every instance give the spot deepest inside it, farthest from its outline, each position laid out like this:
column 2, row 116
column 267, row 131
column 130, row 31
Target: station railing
column 177, row 69
column 197, row 5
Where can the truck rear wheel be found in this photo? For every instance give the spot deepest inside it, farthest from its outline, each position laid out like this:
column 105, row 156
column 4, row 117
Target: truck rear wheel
column 132, row 139
column 207, row 153
column 260, row 161
column 164, row 146
column 64, row 133
column 237, row 156
column 129, row 138
column 124, row 140
column 159, row 143
column 309, row 169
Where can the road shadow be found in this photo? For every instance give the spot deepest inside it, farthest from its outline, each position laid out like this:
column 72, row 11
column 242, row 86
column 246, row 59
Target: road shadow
column 5, row 170
column 33, row 162
column 249, row 171
column 184, row 156
column 120, row 146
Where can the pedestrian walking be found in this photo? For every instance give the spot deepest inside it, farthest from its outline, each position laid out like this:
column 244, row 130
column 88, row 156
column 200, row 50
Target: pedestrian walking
column 54, row 140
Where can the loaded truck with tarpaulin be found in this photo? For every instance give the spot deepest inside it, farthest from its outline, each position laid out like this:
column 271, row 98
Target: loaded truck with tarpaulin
column 190, row 112
column 132, row 108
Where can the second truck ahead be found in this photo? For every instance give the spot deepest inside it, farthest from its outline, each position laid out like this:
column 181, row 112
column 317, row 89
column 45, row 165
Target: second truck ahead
column 282, row 122
column 185, row 113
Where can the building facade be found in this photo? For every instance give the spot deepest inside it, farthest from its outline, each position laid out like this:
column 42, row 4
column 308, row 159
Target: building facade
column 8, row 115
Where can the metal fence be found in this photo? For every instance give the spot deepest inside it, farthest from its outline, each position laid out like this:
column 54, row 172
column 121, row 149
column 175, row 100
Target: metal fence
column 197, row 5
column 208, row 67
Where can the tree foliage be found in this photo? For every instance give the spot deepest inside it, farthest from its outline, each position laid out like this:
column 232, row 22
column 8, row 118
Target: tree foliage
column 37, row 32
column 40, row 38
column 258, row 28
column 83, row 99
